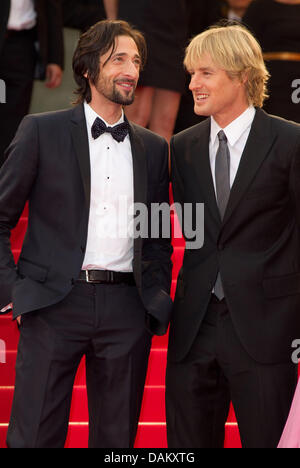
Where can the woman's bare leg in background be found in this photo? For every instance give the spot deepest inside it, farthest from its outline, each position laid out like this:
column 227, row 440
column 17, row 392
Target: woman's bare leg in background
column 165, row 108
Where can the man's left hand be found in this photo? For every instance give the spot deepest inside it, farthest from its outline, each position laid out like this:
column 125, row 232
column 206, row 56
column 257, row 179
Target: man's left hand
column 53, row 76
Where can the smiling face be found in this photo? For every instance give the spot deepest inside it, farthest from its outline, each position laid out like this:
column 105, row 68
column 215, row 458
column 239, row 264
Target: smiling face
column 216, row 93
column 119, row 73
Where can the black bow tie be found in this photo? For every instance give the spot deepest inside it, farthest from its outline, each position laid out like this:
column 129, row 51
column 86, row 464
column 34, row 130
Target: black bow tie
column 119, row 132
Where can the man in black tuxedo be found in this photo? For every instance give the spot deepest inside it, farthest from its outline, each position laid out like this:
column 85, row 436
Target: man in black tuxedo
column 23, row 24
column 237, row 305
column 85, row 283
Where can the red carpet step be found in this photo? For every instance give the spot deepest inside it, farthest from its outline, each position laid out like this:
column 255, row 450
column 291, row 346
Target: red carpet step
column 153, row 408
column 149, row 436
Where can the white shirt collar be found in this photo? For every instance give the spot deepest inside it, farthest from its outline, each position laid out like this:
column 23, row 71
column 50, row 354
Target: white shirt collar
column 233, row 16
column 235, row 129
column 91, row 116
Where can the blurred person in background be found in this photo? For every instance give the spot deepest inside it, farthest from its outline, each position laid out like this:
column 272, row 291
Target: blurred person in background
column 201, row 14
column 164, row 24
column 276, row 24
column 236, row 9
column 31, row 41
column 82, row 14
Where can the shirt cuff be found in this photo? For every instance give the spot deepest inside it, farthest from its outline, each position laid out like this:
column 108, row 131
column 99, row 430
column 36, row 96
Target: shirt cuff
column 7, row 308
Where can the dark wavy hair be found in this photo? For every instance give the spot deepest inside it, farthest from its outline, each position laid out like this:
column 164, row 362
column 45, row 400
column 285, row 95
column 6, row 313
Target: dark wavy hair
column 95, row 43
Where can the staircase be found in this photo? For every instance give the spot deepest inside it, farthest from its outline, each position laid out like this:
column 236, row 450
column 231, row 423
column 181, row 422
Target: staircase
column 152, row 426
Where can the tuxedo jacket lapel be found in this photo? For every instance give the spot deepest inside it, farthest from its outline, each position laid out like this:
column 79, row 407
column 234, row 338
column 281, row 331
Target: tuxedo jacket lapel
column 139, row 165
column 81, row 146
column 4, row 15
column 140, row 182
column 38, row 4
column 4, row 9
column 259, row 144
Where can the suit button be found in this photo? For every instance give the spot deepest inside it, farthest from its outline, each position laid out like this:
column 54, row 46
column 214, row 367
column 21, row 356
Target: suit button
column 221, row 247
column 82, row 249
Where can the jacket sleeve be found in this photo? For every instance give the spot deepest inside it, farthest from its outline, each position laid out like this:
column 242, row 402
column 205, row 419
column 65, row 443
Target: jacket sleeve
column 157, row 264
column 158, row 251
column 17, row 176
column 295, row 180
column 55, row 40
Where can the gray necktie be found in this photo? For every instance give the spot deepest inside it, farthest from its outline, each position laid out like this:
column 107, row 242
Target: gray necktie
column 222, row 173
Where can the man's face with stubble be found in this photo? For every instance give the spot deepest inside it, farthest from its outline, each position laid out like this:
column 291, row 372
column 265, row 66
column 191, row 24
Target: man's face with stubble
column 119, row 72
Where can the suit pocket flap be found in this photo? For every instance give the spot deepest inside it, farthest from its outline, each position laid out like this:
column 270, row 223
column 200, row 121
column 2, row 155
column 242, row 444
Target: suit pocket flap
column 32, row 270
column 281, row 286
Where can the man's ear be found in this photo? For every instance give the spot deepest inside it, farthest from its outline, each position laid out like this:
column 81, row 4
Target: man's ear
column 245, row 77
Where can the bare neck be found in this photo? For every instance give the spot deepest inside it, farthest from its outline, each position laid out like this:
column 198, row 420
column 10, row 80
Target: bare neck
column 108, row 110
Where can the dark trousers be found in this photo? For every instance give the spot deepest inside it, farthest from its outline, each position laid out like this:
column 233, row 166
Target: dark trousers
column 216, row 371
column 106, row 323
column 17, row 64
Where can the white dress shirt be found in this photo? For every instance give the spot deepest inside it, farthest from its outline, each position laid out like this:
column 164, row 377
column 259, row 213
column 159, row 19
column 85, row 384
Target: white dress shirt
column 237, row 133
column 109, row 244
column 22, row 15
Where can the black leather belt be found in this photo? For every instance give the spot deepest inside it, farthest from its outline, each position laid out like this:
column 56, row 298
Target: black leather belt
column 106, row 277
column 19, row 33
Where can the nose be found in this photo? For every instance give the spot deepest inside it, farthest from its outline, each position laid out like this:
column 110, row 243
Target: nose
column 195, row 82
column 132, row 70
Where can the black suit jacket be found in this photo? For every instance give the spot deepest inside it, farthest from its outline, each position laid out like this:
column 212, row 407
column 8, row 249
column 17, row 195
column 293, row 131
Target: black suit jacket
column 257, row 246
column 49, row 29
column 48, row 164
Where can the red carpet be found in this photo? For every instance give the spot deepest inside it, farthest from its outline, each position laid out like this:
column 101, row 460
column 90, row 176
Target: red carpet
column 152, row 427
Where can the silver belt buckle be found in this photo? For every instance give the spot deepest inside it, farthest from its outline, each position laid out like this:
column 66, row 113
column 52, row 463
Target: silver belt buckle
column 111, row 277
column 87, row 277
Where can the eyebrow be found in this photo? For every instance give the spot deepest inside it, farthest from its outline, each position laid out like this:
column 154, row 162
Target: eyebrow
column 205, row 69
column 124, row 54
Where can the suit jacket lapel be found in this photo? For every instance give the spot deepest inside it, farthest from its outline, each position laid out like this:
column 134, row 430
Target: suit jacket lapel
column 139, row 165
column 39, row 5
column 6, row 5
column 4, row 15
column 81, row 146
column 259, row 144
column 200, row 151
column 140, row 178
column 5, row 10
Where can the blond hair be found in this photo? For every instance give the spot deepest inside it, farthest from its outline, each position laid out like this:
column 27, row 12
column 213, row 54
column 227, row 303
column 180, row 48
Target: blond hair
column 234, row 49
